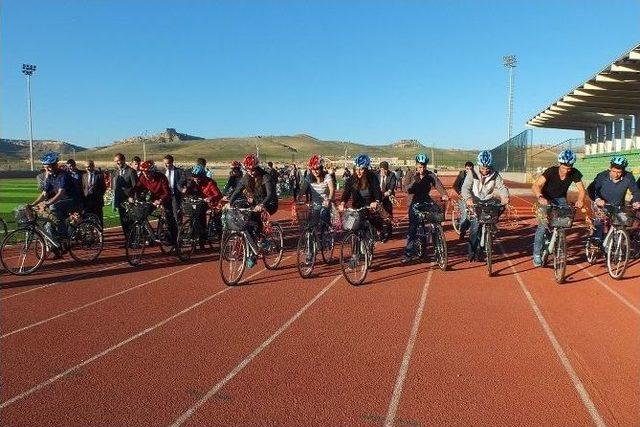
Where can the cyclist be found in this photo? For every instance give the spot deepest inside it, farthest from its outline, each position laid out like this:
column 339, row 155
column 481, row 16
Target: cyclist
column 157, row 186
column 483, row 183
column 200, row 185
column 457, row 187
column 260, row 191
column 388, row 189
column 610, row 186
column 423, row 181
column 235, row 175
column 58, row 194
column 551, row 189
column 320, row 186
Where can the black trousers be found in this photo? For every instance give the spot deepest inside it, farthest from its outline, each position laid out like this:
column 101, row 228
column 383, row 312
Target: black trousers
column 93, row 204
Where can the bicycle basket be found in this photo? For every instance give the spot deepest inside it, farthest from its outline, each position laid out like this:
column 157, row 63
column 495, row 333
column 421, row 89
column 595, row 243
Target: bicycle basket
column 429, row 212
column 24, row 215
column 560, row 216
column 235, row 220
column 194, row 207
column 351, row 221
column 488, row 213
column 138, row 211
column 621, row 216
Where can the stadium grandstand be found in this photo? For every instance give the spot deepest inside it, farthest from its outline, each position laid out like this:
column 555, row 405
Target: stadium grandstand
column 607, row 108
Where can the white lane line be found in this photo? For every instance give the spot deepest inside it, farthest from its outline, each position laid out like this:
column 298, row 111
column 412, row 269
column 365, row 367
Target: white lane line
column 611, row 290
column 404, row 367
column 68, row 279
column 216, row 388
column 89, row 304
column 114, row 347
column 566, row 363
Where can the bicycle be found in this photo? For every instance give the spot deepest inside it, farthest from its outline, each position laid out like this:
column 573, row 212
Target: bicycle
column 317, row 235
column 238, row 245
column 431, row 215
column 24, row 249
column 617, row 243
column 488, row 213
column 141, row 233
column 356, row 251
column 189, row 234
column 558, row 219
column 455, row 214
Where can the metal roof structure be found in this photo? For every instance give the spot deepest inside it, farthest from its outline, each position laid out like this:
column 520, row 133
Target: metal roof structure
column 611, row 95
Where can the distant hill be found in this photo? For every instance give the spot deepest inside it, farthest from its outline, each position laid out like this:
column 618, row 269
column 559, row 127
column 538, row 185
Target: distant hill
column 18, row 149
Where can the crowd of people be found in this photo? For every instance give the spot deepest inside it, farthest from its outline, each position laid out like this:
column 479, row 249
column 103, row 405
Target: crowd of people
column 66, row 189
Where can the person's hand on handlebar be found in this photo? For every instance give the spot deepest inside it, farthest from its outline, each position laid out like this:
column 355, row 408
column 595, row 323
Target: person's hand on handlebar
column 156, row 202
column 543, row 201
column 504, row 201
column 258, row 208
column 469, row 202
column 578, row 204
column 341, row 207
column 373, row 205
column 600, row 203
column 635, row 205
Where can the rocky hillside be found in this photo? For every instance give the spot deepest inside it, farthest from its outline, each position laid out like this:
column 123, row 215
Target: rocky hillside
column 169, row 135
column 19, row 148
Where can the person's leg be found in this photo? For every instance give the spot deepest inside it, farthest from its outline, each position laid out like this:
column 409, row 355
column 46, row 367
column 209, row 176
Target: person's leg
column 124, row 221
column 538, row 242
column 464, row 220
column 474, row 238
column 172, row 224
column 411, row 234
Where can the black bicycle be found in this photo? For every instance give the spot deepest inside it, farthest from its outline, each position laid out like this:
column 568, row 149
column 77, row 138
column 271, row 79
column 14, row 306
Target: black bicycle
column 316, row 236
column 488, row 213
column 142, row 234
column 431, row 216
column 558, row 219
column 192, row 231
column 356, row 251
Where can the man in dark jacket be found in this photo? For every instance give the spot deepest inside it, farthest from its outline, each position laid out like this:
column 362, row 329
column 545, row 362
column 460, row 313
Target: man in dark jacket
column 93, row 189
column 457, row 187
column 177, row 182
column 387, row 187
column 124, row 178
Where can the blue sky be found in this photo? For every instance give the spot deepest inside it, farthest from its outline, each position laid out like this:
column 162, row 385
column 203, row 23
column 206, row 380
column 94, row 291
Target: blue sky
column 365, row 71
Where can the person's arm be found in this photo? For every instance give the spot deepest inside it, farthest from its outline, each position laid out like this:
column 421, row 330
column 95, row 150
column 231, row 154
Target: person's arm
column 466, row 190
column 392, row 184
column 633, row 187
column 502, row 189
column 332, row 189
column 414, row 185
column 40, row 198
column 237, row 191
column 440, row 187
column 458, row 182
column 374, row 185
column 164, row 192
column 581, row 194
column 346, row 194
column 132, row 181
column 270, row 189
column 303, row 189
column 537, row 187
column 57, row 196
column 212, row 192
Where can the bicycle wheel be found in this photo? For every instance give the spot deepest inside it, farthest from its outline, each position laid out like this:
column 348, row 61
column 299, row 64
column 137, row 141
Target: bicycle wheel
column 455, row 217
column 86, row 242
column 136, row 243
column 91, row 217
column 186, row 241
column 592, row 250
column 560, row 257
column 272, row 247
column 22, row 251
column 327, row 244
column 233, row 257
column 440, row 247
column 162, row 233
column 488, row 249
column 213, row 233
column 618, row 253
column 306, row 253
column 354, row 259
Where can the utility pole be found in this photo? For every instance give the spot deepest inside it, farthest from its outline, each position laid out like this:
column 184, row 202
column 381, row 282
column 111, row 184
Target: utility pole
column 510, row 61
column 28, row 70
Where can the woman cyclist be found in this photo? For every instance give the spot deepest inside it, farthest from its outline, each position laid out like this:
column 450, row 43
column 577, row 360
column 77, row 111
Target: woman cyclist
column 321, row 187
column 363, row 188
column 235, row 175
column 423, row 181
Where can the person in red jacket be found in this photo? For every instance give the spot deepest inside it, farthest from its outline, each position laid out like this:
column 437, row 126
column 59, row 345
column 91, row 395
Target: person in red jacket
column 202, row 186
column 157, row 186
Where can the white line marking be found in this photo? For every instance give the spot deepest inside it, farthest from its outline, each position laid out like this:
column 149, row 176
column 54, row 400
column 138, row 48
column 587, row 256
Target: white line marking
column 60, row 282
column 612, row 291
column 74, row 310
column 566, row 363
column 404, row 367
column 187, row 414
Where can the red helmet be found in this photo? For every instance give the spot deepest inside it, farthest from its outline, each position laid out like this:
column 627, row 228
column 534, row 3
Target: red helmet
column 315, row 162
column 235, row 164
column 146, row 165
column 250, row 161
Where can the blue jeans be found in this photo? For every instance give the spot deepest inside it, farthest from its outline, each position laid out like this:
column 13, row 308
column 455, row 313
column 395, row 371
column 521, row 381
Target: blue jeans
column 474, row 238
column 538, row 240
column 414, row 222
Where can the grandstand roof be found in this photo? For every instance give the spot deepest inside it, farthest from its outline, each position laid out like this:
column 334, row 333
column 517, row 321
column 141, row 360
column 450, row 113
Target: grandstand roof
column 611, row 94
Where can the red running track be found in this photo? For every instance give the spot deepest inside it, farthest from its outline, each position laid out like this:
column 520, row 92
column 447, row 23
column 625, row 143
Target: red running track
column 169, row 344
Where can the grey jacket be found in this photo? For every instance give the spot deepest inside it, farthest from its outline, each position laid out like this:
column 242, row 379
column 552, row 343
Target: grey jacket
column 483, row 188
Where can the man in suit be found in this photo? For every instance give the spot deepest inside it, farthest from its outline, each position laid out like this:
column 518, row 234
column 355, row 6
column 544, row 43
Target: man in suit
column 124, row 178
column 93, row 189
column 177, row 183
column 388, row 189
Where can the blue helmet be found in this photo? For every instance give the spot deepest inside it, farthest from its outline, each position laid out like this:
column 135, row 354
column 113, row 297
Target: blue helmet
column 619, row 161
column 198, row 170
column 422, row 158
column 567, row 157
column 485, row 158
column 50, row 158
column 362, row 161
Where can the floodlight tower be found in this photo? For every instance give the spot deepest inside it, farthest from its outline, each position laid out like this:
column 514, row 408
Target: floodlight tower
column 28, row 70
column 510, row 61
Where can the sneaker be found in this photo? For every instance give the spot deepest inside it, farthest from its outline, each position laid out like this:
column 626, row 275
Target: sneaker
column 537, row 261
column 251, row 261
column 407, row 259
column 471, row 257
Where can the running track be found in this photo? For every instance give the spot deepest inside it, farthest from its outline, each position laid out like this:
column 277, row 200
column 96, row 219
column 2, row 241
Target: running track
column 169, row 344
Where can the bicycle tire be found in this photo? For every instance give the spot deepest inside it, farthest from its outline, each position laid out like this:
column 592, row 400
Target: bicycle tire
column 618, row 247
column 86, row 237
column 560, row 257
column 306, row 253
column 162, row 234
column 186, row 241
column 7, row 250
column 440, row 247
column 327, row 245
column 352, row 260
column 488, row 249
column 455, row 218
column 233, row 251
column 275, row 241
column 136, row 243
column 591, row 250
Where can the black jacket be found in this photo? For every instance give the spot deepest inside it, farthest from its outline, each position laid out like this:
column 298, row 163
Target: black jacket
column 264, row 194
column 350, row 190
column 457, row 184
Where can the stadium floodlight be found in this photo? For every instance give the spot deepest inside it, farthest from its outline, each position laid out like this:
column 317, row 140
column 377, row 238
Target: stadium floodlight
column 510, row 61
column 28, row 70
